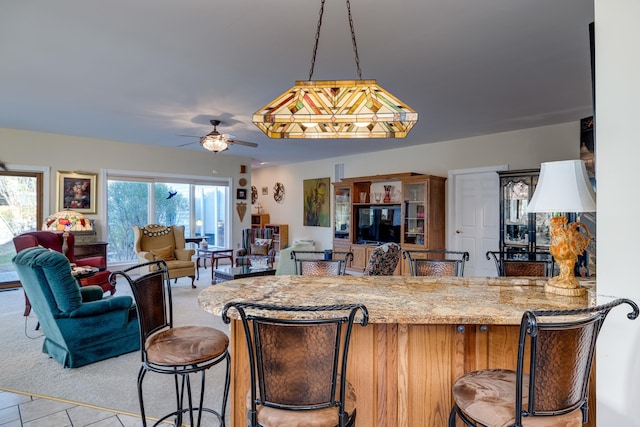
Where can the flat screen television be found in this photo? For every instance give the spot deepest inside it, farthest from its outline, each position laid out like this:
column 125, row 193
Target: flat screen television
column 378, row 223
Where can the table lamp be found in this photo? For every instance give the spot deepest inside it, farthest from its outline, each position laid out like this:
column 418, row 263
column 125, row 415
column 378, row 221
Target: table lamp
column 564, row 187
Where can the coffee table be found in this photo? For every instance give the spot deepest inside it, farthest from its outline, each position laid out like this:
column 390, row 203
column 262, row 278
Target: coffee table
column 225, row 273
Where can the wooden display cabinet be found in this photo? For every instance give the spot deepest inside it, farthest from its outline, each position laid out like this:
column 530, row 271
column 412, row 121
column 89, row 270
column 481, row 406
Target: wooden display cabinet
column 413, row 214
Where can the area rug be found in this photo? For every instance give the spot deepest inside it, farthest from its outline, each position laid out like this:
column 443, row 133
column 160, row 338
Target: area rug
column 111, row 383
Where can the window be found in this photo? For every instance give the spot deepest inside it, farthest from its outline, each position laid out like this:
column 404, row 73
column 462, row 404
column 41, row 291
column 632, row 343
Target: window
column 201, row 206
column 21, row 203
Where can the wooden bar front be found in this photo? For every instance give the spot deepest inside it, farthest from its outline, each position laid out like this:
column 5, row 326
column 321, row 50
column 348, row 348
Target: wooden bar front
column 423, row 333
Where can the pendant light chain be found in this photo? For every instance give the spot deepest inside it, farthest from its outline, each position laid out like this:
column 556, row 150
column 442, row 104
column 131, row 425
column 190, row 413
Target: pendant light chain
column 353, row 39
column 317, row 40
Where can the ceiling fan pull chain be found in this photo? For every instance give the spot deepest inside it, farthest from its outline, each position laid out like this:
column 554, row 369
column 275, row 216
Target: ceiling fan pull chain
column 315, row 46
column 353, row 39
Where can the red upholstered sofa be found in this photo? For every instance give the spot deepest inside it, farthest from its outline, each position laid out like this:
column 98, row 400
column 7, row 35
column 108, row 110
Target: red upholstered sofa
column 56, row 241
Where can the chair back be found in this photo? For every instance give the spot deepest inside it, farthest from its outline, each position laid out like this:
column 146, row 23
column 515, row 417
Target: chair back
column 321, row 263
column 298, row 356
column 249, row 236
column 152, row 295
column 423, row 262
column 383, row 260
column 47, row 239
column 152, row 237
column 517, row 264
column 560, row 346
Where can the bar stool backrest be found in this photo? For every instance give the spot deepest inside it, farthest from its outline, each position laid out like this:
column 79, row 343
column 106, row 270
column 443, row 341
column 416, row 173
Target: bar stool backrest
column 297, row 364
column 562, row 346
column 321, row 263
column 424, row 262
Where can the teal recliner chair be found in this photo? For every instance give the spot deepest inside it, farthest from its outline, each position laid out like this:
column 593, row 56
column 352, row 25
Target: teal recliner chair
column 76, row 332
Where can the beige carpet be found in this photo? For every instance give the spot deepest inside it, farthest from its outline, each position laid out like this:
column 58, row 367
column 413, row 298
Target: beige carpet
column 111, row 383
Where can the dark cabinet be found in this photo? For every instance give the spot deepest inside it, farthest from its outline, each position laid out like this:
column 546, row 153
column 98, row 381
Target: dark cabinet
column 520, row 230
column 88, row 250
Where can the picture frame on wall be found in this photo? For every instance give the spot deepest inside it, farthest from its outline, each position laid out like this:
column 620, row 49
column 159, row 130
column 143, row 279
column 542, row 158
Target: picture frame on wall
column 241, row 194
column 316, row 195
column 77, row 191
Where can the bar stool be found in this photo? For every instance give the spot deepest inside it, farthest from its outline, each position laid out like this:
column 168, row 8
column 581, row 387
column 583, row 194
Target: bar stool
column 553, row 391
column 321, row 263
column 425, row 262
column 298, row 365
column 174, row 350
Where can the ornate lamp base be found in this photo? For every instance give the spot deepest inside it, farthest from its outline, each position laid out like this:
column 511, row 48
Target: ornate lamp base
column 566, row 288
column 567, row 242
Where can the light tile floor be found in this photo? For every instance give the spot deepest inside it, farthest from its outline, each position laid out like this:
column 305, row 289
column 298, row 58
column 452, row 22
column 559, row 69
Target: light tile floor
column 20, row 410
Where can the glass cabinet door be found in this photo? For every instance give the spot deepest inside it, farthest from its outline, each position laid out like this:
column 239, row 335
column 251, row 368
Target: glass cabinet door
column 516, row 193
column 414, row 208
column 342, row 213
column 521, row 231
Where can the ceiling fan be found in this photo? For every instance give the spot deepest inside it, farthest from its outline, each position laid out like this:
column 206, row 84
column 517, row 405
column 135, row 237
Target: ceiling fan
column 217, row 142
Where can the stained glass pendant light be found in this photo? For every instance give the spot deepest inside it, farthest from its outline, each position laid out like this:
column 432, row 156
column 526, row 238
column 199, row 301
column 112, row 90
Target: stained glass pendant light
column 336, row 108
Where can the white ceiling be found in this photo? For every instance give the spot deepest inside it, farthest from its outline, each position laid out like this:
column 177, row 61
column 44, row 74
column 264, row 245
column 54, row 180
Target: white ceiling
column 146, row 71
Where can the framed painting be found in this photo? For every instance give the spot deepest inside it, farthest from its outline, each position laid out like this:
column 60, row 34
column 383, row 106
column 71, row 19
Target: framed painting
column 77, row 192
column 241, row 194
column 316, row 202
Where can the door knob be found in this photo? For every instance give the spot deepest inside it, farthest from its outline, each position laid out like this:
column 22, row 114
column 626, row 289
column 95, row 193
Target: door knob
column 458, row 231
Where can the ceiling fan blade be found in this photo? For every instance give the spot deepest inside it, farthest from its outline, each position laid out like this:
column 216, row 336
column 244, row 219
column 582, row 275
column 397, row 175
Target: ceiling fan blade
column 190, row 136
column 186, row 143
column 245, row 143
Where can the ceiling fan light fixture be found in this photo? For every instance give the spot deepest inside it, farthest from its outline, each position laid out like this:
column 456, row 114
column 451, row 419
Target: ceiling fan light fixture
column 214, row 143
column 336, row 108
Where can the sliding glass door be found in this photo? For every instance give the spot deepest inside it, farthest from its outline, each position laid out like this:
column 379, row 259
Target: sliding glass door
column 200, row 206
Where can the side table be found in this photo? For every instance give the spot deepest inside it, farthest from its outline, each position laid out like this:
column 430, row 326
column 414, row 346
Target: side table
column 215, row 254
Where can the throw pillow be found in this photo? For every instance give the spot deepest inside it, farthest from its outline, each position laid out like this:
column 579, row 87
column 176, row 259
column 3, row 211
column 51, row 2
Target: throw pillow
column 266, row 242
column 259, row 249
column 167, row 253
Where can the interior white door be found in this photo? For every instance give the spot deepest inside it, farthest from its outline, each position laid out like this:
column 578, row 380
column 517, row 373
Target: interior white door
column 474, row 220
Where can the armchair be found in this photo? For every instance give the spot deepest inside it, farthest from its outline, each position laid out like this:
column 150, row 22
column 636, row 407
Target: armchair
column 154, row 241
column 64, row 243
column 383, row 260
column 255, row 241
column 76, row 332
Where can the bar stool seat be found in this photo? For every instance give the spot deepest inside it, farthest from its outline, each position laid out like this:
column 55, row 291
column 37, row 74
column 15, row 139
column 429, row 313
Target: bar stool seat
column 274, row 417
column 185, row 345
column 489, row 397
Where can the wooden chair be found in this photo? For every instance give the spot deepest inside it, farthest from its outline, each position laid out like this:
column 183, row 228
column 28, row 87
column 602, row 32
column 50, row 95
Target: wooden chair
column 423, row 262
column 514, row 264
column 298, row 364
column 321, row 263
column 553, row 389
column 174, row 350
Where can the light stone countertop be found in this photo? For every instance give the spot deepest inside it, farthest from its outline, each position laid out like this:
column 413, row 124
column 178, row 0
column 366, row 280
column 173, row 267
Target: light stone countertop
column 400, row 299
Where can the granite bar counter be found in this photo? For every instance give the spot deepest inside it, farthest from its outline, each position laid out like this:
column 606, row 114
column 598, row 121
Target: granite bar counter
column 423, row 333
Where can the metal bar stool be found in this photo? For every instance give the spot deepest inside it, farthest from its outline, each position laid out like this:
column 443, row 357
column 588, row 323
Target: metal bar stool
column 553, row 390
column 298, row 362
column 174, row 350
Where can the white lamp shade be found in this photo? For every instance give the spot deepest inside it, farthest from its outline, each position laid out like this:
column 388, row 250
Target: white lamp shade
column 563, row 187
